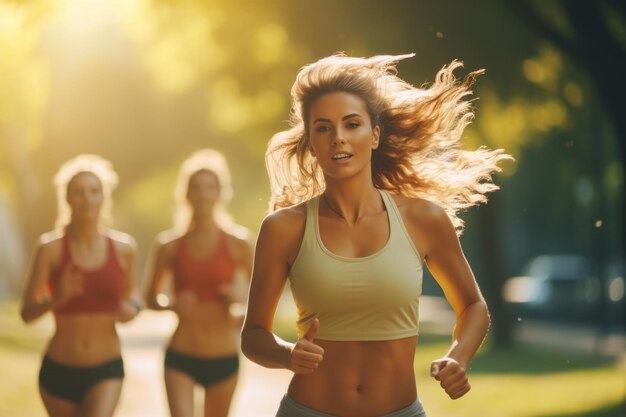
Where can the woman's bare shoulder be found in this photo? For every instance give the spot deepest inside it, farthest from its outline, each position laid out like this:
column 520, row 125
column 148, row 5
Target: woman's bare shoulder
column 49, row 244
column 124, row 242
column 281, row 233
column 168, row 237
column 422, row 212
column 238, row 235
column 167, row 241
column 285, row 219
column 240, row 242
column 53, row 237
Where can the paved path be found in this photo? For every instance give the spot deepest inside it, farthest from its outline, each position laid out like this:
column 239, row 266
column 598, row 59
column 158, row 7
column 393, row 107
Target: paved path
column 258, row 393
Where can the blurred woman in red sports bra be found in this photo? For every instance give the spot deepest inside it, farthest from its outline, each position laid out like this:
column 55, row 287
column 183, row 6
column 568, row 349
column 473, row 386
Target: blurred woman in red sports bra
column 83, row 272
column 199, row 259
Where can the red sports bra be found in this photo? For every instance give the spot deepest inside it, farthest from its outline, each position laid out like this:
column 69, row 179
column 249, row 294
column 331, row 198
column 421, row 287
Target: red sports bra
column 103, row 288
column 203, row 276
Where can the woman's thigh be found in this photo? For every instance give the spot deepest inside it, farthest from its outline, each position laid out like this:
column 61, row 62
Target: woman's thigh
column 101, row 399
column 57, row 406
column 179, row 387
column 218, row 397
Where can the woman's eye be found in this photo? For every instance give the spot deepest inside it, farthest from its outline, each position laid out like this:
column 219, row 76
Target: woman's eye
column 353, row 125
column 321, row 129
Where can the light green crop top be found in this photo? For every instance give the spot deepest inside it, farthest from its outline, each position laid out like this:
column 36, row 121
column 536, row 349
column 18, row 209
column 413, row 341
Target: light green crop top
column 357, row 299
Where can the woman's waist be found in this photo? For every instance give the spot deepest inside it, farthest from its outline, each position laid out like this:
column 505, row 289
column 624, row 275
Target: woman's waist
column 91, row 348
column 365, row 376
column 349, row 393
column 356, row 383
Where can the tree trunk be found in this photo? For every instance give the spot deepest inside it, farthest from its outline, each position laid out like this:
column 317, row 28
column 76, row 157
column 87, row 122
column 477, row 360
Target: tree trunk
column 488, row 216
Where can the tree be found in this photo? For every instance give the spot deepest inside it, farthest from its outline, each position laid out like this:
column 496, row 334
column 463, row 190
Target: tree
column 592, row 34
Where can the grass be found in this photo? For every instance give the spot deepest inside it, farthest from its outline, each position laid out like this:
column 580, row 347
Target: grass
column 526, row 382
column 520, row 382
column 21, row 347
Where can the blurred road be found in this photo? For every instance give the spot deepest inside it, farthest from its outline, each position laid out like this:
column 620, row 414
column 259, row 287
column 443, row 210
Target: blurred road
column 258, row 393
column 571, row 337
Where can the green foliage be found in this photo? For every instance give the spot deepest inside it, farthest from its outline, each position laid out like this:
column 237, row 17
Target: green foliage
column 169, row 78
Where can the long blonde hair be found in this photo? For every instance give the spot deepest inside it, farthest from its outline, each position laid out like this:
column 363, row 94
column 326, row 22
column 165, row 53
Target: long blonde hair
column 203, row 160
column 419, row 153
column 93, row 164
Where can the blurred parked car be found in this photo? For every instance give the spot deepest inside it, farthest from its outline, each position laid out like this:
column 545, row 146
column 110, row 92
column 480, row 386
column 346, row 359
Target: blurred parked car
column 555, row 287
column 616, row 293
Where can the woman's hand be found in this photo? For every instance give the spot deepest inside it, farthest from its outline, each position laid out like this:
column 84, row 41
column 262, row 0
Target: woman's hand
column 451, row 376
column 127, row 310
column 306, row 356
column 229, row 294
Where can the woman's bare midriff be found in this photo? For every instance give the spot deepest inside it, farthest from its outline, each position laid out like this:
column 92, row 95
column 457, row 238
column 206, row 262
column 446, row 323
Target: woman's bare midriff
column 359, row 379
column 207, row 330
column 84, row 339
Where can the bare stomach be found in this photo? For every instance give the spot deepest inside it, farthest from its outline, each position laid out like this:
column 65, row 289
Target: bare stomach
column 84, row 339
column 207, row 330
column 359, row 379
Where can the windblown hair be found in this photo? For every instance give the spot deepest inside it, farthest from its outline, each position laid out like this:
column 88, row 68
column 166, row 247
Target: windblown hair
column 419, row 153
column 208, row 160
column 92, row 164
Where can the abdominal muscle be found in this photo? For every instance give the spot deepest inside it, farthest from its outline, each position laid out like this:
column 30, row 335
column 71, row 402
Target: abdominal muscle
column 208, row 330
column 84, row 339
column 359, row 379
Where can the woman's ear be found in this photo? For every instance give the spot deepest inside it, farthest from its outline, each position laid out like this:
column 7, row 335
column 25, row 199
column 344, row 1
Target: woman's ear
column 376, row 137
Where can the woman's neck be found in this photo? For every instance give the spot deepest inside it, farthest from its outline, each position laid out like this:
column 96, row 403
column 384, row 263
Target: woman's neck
column 83, row 232
column 351, row 200
column 203, row 223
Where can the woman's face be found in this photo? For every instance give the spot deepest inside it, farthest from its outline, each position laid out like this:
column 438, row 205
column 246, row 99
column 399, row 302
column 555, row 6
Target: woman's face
column 204, row 190
column 341, row 134
column 85, row 196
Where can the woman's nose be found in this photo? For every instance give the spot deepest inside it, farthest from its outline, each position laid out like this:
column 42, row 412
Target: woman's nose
column 338, row 137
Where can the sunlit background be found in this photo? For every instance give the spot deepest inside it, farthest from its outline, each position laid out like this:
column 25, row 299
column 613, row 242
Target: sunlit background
column 144, row 83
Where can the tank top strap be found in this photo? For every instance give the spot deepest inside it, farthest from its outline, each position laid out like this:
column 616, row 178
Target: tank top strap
column 396, row 225
column 312, row 219
column 112, row 255
column 65, row 250
column 181, row 249
column 222, row 240
column 223, row 248
column 110, row 244
column 111, row 251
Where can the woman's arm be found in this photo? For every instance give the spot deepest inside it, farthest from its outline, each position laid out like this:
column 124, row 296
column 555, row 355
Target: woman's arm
column 159, row 270
column 130, row 304
column 35, row 300
column 447, row 263
column 236, row 292
column 278, row 238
